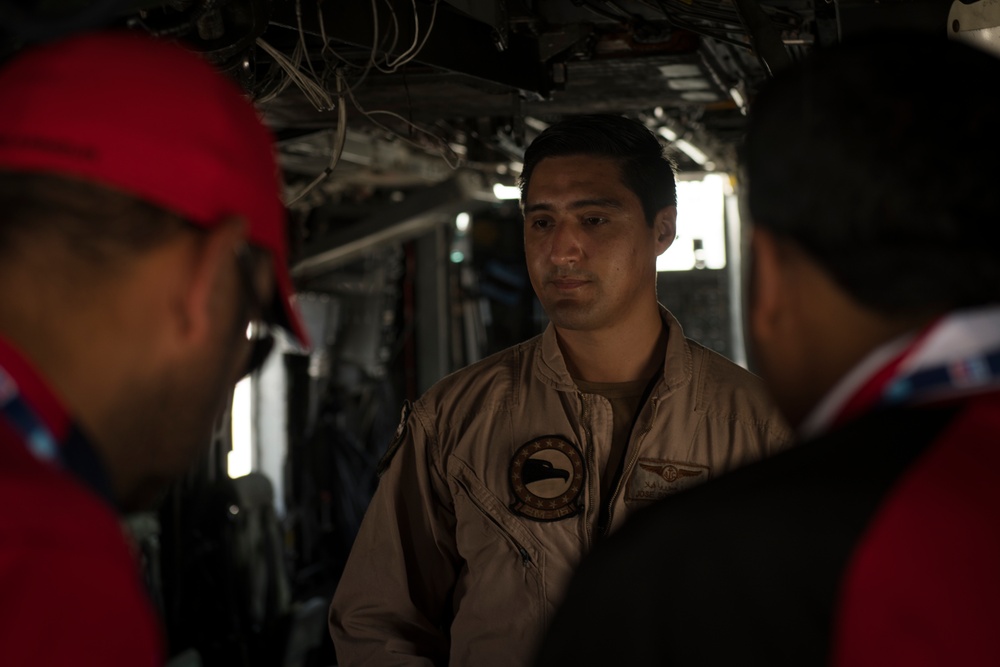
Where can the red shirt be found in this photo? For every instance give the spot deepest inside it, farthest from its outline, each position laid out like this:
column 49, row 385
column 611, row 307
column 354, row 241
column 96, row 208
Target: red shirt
column 70, row 590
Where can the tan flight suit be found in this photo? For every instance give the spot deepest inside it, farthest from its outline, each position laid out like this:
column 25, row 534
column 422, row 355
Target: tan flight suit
column 492, row 497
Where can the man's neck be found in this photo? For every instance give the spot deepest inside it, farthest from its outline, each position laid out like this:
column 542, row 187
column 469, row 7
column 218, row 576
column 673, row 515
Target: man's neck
column 80, row 364
column 619, row 355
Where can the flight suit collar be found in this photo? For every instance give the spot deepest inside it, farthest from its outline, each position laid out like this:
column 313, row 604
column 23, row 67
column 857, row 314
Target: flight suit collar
column 678, row 364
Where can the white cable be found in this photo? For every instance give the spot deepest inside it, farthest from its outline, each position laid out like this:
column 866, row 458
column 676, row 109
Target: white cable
column 329, row 49
column 311, row 88
column 338, row 144
column 416, row 38
column 302, row 38
column 285, row 82
column 452, row 159
column 322, row 100
column 415, row 50
column 395, row 37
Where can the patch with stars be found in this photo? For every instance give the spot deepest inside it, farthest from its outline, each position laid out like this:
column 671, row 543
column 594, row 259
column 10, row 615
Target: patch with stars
column 547, row 476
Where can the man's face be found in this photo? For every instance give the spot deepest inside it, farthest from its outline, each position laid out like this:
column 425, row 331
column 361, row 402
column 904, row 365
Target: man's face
column 226, row 356
column 189, row 401
column 777, row 344
column 591, row 254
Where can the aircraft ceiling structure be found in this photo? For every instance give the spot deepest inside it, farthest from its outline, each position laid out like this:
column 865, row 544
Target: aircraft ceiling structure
column 374, row 99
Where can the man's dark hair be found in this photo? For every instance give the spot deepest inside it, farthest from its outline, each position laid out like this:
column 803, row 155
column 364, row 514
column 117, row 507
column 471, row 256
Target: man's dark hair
column 878, row 158
column 645, row 169
column 98, row 224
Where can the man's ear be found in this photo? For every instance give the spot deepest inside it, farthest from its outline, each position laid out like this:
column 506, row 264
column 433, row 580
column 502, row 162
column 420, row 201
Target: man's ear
column 766, row 289
column 665, row 228
column 211, row 267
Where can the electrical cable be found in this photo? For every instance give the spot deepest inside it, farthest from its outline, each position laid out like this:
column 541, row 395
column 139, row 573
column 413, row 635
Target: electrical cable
column 416, row 35
column 602, row 12
column 338, row 146
column 323, row 101
column 379, row 45
column 451, row 158
column 311, row 88
column 684, row 25
column 415, row 48
column 302, row 38
column 329, row 49
column 285, row 79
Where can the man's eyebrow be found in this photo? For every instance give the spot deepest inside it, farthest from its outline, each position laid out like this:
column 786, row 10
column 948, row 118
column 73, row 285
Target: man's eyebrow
column 602, row 202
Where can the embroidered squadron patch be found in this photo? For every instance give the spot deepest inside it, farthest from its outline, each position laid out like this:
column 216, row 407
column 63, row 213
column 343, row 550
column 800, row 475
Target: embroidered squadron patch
column 547, row 477
column 653, row 479
column 397, row 439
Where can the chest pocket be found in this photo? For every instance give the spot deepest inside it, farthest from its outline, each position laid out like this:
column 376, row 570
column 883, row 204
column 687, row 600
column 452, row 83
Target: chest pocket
column 483, row 519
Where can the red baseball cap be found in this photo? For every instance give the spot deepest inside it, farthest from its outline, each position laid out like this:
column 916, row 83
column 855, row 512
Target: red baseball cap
column 147, row 117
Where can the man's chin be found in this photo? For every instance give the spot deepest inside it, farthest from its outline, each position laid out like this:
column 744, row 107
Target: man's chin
column 571, row 316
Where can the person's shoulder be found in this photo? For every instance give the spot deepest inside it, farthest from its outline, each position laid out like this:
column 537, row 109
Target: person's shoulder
column 720, row 368
column 77, row 563
column 50, row 509
column 726, row 388
column 484, row 382
column 63, row 550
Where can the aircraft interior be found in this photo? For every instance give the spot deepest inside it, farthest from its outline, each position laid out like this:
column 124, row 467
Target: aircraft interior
column 400, row 127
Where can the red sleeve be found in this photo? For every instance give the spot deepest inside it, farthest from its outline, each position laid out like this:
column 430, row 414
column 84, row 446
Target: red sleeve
column 74, row 608
column 923, row 587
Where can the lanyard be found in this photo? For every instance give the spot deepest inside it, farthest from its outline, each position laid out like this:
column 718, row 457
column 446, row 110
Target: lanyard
column 871, row 393
column 34, row 433
column 959, row 376
column 74, row 453
column 891, row 385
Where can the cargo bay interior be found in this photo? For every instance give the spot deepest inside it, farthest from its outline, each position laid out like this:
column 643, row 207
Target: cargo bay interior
column 400, row 128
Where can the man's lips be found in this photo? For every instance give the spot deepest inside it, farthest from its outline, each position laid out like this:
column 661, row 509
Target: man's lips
column 568, row 283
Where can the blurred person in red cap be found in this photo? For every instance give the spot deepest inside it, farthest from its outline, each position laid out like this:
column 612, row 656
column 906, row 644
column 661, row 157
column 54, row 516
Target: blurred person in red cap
column 142, row 233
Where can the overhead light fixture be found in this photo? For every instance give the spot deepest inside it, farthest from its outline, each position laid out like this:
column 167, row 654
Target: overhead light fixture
column 691, row 151
column 738, row 98
column 686, row 147
column 501, row 191
column 536, row 124
column 667, row 133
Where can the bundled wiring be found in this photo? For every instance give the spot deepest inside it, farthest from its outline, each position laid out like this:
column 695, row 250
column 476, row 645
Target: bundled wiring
column 394, row 32
column 285, row 80
column 338, row 145
column 451, row 158
column 724, row 22
column 442, row 148
column 311, row 88
column 392, row 65
column 310, row 83
column 328, row 51
column 302, row 38
column 673, row 18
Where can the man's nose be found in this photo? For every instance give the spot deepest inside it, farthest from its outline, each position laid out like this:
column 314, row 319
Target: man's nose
column 566, row 248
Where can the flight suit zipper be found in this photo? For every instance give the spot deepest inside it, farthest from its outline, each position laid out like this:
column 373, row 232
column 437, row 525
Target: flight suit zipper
column 633, row 456
column 589, row 449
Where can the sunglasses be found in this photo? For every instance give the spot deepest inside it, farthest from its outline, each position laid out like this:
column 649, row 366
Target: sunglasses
column 259, row 332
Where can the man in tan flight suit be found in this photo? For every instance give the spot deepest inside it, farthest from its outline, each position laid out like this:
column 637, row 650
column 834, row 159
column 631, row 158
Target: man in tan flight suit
column 505, row 473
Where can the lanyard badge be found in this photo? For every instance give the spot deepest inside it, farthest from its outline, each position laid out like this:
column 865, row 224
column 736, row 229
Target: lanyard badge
column 36, row 436
column 959, row 376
